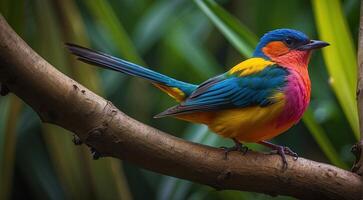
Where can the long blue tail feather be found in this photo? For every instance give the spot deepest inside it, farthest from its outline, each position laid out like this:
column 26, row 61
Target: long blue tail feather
column 109, row 62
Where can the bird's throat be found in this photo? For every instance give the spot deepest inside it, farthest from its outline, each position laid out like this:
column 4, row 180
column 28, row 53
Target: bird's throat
column 294, row 59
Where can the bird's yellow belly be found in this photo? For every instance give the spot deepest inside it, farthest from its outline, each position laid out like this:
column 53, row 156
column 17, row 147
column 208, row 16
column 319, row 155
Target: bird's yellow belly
column 251, row 124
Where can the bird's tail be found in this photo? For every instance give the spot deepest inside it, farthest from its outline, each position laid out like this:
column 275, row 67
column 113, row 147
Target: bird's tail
column 177, row 89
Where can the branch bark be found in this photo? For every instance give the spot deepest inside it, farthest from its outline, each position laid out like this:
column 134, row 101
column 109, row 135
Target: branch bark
column 358, row 148
column 62, row 101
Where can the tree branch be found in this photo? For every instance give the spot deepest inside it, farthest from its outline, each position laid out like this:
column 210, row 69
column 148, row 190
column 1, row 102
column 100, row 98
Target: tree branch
column 62, row 101
column 358, row 148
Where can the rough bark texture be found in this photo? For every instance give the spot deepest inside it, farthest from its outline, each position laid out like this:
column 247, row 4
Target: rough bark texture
column 358, row 148
column 62, row 101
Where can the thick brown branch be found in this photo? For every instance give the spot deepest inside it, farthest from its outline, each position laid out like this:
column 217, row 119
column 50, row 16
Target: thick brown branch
column 358, row 148
column 62, row 101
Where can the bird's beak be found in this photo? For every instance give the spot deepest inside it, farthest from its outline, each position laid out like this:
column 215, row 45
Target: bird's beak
column 313, row 44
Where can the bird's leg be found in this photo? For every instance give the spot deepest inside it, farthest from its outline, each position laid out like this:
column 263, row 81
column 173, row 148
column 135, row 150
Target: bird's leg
column 281, row 150
column 237, row 147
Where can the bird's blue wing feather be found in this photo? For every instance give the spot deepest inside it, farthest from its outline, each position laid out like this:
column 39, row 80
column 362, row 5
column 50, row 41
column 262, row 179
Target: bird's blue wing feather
column 226, row 91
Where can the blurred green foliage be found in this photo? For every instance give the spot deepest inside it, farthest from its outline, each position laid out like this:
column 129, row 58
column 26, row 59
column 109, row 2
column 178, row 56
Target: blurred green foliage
column 190, row 41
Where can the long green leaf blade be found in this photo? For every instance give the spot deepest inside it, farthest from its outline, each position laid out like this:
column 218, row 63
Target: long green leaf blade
column 7, row 168
column 238, row 35
column 322, row 139
column 5, row 103
column 102, row 10
column 340, row 57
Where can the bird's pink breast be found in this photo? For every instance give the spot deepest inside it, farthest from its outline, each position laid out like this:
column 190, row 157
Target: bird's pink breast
column 297, row 97
column 297, row 89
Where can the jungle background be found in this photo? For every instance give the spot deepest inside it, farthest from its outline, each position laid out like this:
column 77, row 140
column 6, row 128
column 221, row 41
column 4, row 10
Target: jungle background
column 187, row 40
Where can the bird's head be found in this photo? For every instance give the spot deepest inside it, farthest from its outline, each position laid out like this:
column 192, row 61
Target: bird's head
column 287, row 47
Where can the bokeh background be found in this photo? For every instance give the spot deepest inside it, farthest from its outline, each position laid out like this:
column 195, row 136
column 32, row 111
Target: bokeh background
column 190, row 41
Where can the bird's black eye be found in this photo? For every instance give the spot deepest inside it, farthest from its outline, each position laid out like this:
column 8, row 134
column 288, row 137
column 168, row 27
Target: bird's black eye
column 288, row 41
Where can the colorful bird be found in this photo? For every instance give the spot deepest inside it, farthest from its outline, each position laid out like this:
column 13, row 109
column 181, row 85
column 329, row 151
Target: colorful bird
column 254, row 101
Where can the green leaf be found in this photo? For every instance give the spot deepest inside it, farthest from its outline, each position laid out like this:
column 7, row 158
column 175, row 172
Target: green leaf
column 4, row 113
column 185, row 42
column 103, row 13
column 237, row 34
column 7, row 167
column 33, row 163
column 340, row 57
column 322, row 139
column 153, row 24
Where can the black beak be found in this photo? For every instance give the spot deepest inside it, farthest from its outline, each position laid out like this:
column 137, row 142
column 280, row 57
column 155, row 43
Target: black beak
column 313, row 44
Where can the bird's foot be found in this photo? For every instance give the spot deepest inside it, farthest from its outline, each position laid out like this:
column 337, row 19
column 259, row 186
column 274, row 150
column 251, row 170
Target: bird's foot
column 282, row 151
column 237, row 147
